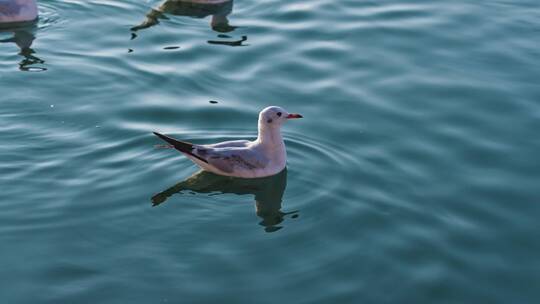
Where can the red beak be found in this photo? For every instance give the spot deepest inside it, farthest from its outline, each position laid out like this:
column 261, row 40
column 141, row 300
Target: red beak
column 290, row 116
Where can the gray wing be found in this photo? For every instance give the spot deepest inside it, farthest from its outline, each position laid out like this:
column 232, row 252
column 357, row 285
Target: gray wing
column 230, row 159
column 229, row 144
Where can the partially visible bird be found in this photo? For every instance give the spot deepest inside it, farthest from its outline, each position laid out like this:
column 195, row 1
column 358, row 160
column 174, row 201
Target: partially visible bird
column 14, row 11
column 262, row 157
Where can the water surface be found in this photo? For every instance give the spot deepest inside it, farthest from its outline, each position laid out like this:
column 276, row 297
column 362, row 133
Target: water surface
column 413, row 177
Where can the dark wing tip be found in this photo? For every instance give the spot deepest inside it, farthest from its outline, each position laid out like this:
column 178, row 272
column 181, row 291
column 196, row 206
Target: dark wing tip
column 181, row 146
column 168, row 139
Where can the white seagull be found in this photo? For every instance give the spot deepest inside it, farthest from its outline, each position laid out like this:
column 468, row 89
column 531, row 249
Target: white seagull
column 262, row 157
column 12, row 11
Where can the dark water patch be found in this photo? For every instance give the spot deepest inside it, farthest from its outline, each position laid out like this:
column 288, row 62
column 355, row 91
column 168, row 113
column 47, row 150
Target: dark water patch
column 230, row 43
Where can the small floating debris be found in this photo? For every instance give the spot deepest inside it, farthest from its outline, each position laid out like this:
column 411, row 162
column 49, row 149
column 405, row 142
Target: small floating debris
column 130, row 50
column 213, row 101
column 171, row 47
column 52, row 106
column 133, row 36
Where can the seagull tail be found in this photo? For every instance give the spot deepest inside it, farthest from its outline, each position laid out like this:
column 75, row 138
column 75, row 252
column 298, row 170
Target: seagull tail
column 182, row 146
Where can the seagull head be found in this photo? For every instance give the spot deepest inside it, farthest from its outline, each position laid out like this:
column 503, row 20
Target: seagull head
column 275, row 117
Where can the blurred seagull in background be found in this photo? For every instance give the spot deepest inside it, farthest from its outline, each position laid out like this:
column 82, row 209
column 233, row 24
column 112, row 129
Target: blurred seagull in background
column 14, row 11
column 262, row 157
column 218, row 9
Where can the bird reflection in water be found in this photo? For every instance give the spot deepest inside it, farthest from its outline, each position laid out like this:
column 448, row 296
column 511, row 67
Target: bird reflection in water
column 268, row 192
column 23, row 35
column 218, row 9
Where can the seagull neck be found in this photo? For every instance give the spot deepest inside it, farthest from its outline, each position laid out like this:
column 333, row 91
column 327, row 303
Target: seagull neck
column 270, row 137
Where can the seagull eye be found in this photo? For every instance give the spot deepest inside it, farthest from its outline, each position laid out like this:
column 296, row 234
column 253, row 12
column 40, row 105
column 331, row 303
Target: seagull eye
column 279, row 114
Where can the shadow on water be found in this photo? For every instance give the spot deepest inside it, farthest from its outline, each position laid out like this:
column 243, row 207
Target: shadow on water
column 268, row 192
column 23, row 35
column 219, row 10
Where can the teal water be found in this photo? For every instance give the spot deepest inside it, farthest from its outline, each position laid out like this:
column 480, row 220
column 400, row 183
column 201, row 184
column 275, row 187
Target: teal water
column 413, row 177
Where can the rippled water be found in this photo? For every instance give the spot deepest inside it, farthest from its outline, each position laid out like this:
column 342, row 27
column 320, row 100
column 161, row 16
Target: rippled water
column 413, row 177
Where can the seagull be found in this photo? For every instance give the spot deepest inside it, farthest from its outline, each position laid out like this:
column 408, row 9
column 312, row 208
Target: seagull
column 14, row 11
column 262, row 157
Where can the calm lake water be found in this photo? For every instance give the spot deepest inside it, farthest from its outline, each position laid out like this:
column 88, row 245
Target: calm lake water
column 413, row 178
